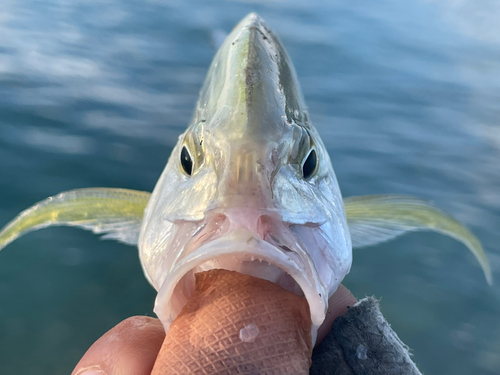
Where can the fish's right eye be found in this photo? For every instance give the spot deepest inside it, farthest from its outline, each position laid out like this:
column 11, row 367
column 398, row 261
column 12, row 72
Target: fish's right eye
column 310, row 164
column 186, row 161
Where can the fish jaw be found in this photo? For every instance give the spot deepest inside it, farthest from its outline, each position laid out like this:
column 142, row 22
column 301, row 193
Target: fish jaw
column 248, row 140
column 242, row 251
column 256, row 242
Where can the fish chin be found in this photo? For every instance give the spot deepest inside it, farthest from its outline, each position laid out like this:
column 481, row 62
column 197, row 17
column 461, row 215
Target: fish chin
column 242, row 251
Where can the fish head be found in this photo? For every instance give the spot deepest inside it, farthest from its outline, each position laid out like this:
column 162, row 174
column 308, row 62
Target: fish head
column 249, row 186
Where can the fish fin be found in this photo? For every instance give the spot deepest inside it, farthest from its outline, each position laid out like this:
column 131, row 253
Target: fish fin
column 116, row 213
column 373, row 219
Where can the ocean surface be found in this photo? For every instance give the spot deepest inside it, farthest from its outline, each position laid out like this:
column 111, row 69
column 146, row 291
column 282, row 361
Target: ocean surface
column 406, row 95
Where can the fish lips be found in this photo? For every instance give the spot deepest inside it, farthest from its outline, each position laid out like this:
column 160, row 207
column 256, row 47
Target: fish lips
column 241, row 250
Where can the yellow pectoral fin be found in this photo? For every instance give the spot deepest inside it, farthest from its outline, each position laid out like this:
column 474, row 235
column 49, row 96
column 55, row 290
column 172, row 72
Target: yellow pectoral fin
column 377, row 218
column 117, row 213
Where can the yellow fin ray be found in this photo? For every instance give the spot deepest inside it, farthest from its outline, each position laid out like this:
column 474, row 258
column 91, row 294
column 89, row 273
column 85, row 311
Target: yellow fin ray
column 117, row 213
column 373, row 219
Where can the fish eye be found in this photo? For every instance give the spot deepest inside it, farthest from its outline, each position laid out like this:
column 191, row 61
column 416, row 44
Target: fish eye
column 186, row 161
column 310, row 164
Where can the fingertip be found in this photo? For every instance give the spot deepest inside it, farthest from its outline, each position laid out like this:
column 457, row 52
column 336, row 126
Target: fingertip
column 340, row 301
column 130, row 347
column 92, row 370
column 338, row 304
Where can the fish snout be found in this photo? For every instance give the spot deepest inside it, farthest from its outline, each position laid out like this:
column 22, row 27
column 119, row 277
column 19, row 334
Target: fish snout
column 260, row 222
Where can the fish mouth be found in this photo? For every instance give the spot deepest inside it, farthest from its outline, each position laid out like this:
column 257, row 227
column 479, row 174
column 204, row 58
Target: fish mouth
column 244, row 252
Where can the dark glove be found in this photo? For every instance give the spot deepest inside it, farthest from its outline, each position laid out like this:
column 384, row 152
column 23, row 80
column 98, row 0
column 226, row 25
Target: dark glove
column 361, row 342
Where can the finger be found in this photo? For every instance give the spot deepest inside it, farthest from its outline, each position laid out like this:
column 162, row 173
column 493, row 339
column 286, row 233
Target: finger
column 129, row 348
column 337, row 305
column 238, row 324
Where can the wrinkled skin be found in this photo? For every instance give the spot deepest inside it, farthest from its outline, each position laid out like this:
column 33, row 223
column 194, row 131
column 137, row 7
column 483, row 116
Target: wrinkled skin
column 132, row 347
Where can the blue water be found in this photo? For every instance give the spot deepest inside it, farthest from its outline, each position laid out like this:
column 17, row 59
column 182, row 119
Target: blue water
column 405, row 95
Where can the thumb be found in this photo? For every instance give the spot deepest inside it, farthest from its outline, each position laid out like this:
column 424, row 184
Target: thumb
column 337, row 305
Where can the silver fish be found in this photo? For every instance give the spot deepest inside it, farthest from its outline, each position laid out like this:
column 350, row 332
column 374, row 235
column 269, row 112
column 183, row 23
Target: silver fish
column 248, row 187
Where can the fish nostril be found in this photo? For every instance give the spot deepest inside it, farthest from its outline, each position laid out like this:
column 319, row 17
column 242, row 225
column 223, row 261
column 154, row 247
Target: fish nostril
column 218, row 219
column 264, row 226
column 221, row 221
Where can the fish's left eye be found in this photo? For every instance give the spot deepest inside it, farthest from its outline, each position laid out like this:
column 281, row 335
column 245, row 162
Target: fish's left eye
column 310, row 164
column 186, row 161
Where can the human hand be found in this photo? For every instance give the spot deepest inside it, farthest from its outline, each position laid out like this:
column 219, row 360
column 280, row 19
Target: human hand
column 132, row 346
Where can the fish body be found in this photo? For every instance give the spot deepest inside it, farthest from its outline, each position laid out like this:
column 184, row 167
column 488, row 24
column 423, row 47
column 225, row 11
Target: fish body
column 249, row 187
column 249, row 204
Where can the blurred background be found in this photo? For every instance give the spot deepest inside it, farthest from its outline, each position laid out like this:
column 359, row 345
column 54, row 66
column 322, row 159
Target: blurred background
column 405, row 95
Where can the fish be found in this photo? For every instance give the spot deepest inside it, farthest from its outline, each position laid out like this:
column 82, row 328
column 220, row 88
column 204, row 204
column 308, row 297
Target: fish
column 249, row 187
